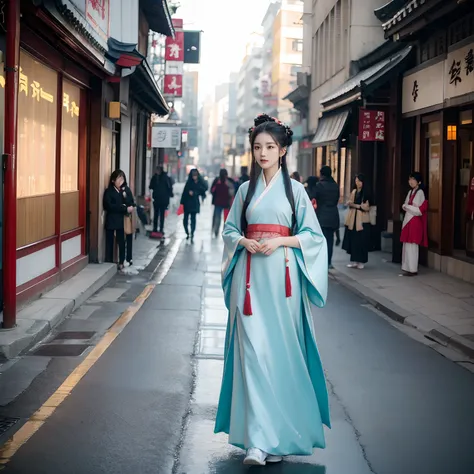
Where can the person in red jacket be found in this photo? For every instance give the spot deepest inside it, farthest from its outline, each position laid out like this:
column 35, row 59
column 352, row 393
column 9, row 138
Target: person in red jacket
column 414, row 227
column 222, row 190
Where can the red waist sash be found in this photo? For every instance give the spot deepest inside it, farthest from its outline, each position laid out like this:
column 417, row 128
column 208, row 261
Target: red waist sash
column 259, row 232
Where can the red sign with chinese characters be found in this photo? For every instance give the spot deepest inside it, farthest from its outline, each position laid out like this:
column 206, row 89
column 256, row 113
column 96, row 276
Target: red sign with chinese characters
column 174, row 56
column 371, row 125
column 175, row 47
column 173, row 85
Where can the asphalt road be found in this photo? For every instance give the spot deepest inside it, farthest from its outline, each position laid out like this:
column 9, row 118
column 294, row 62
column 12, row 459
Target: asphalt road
column 147, row 405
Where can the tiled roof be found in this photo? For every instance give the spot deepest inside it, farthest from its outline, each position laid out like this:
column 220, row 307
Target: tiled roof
column 403, row 13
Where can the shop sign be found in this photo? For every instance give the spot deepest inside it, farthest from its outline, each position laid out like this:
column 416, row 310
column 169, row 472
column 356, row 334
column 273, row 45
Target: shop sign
column 34, row 90
column 97, row 15
column 166, row 137
column 371, row 125
column 173, row 85
column 459, row 72
column 174, row 56
column 423, row 88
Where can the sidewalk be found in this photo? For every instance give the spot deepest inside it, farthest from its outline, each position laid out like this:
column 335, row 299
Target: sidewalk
column 439, row 306
column 37, row 319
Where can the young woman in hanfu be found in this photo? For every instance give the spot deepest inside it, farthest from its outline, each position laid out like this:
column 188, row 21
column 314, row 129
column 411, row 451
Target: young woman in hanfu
column 273, row 399
column 415, row 225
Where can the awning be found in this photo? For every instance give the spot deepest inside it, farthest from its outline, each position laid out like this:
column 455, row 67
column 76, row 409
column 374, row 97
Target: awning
column 158, row 16
column 145, row 90
column 365, row 81
column 123, row 54
column 330, row 128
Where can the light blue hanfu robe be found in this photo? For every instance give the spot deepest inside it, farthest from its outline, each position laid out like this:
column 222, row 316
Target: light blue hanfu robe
column 273, row 395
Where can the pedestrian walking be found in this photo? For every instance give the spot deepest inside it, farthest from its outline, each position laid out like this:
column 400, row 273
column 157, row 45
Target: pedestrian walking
column 357, row 232
column 327, row 199
column 194, row 189
column 273, row 400
column 130, row 225
column 162, row 188
column 296, row 176
column 116, row 210
column 223, row 191
column 244, row 175
column 415, row 225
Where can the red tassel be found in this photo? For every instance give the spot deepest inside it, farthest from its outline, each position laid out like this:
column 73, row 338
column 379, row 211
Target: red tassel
column 247, row 303
column 288, row 282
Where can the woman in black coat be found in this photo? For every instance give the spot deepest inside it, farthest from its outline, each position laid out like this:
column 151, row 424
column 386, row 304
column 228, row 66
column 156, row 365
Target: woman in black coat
column 129, row 202
column 195, row 188
column 116, row 209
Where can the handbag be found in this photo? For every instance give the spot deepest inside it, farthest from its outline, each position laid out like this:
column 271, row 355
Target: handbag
column 373, row 215
column 127, row 225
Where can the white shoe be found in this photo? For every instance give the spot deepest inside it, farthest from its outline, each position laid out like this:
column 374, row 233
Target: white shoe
column 352, row 265
column 272, row 458
column 360, row 266
column 255, row 457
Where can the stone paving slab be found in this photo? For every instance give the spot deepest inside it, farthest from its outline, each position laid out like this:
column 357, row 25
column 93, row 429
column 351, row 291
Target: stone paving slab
column 439, row 306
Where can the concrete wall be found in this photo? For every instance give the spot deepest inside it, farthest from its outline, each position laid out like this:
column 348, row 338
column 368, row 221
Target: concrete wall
column 364, row 34
column 124, row 20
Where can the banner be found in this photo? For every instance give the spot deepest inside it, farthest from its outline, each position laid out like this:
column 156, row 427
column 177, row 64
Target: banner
column 174, row 56
column 371, row 125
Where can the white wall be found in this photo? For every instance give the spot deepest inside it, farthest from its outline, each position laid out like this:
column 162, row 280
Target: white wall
column 124, row 20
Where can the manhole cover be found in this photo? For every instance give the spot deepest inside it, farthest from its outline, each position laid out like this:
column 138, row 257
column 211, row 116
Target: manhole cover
column 61, row 350
column 75, row 335
column 7, row 423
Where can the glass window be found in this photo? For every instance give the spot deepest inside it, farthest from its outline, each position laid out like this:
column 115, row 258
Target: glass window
column 70, row 137
column 36, row 128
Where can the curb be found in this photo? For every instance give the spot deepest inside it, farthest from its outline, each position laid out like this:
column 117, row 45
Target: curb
column 55, row 306
column 428, row 328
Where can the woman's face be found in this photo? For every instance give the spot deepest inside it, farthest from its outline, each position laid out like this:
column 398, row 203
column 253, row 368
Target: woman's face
column 358, row 183
column 413, row 182
column 194, row 176
column 119, row 181
column 267, row 153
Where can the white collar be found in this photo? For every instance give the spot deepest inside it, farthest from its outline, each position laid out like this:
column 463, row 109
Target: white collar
column 273, row 179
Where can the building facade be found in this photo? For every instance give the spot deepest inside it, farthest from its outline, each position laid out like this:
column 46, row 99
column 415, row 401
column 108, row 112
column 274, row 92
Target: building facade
column 437, row 107
column 60, row 123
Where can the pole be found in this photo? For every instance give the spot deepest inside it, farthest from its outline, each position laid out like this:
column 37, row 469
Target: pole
column 9, row 161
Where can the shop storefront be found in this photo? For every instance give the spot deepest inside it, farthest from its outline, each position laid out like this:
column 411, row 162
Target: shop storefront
column 51, row 160
column 438, row 105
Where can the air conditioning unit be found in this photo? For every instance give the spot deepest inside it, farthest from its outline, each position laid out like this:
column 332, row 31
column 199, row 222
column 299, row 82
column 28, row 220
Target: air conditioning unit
column 303, row 79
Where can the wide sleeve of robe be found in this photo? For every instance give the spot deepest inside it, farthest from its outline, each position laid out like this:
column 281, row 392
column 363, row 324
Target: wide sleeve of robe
column 232, row 235
column 312, row 257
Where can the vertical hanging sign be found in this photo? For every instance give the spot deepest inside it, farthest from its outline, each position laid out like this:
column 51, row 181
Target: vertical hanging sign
column 174, row 56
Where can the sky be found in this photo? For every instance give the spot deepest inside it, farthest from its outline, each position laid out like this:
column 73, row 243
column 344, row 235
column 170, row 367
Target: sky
column 226, row 26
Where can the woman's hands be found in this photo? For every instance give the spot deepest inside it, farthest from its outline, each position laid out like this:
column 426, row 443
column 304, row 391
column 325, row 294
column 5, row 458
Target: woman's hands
column 251, row 245
column 267, row 247
column 130, row 209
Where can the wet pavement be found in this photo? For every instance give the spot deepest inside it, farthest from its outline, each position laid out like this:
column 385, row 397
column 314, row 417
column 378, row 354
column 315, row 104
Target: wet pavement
column 148, row 404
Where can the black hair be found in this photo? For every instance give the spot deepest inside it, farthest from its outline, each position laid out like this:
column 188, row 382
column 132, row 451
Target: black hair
column 223, row 174
column 326, row 171
column 283, row 136
column 117, row 174
column 417, row 176
column 296, row 176
column 190, row 175
column 366, row 193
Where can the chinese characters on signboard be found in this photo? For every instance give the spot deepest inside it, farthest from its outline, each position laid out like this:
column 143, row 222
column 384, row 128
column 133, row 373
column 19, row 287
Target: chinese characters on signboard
column 371, row 125
column 459, row 72
column 174, row 56
column 34, row 90
column 97, row 14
